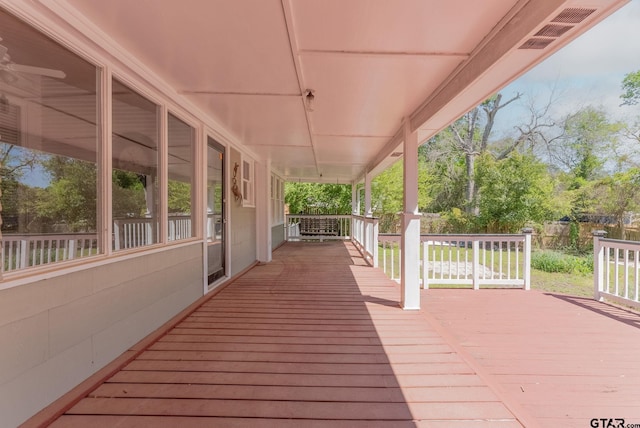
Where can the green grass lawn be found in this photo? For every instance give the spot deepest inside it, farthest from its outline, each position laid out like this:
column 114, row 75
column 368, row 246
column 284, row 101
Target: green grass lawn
column 562, row 283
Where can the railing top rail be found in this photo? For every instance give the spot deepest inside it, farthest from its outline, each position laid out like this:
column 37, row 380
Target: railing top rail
column 11, row 236
column 619, row 241
column 319, row 215
column 364, row 217
column 468, row 236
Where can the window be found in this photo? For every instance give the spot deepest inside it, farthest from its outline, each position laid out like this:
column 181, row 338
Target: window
column 181, row 179
column 277, row 200
column 135, row 169
column 248, row 197
column 48, row 150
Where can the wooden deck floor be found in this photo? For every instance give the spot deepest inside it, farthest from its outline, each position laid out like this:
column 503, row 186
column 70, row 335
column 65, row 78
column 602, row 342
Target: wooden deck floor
column 566, row 360
column 317, row 339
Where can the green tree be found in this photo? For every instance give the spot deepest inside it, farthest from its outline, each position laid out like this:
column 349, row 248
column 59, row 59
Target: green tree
column 70, row 199
column 128, row 194
column 618, row 194
column 589, row 136
column 515, row 191
column 471, row 138
column 318, row 197
column 587, row 133
column 631, row 88
column 179, row 201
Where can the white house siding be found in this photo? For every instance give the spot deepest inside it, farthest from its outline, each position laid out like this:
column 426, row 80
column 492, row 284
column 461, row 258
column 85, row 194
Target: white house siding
column 57, row 331
column 243, row 228
column 277, row 236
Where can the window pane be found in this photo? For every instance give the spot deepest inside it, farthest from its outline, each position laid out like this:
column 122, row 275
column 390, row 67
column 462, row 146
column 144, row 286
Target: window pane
column 48, row 149
column 181, row 174
column 135, row 169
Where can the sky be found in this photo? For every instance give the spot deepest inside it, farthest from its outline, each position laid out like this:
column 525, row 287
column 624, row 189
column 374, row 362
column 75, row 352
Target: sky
column 588, row 71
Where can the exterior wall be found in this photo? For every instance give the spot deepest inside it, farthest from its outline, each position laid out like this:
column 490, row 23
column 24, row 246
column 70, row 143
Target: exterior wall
column 57, row 331
column 242, row 242
column 277, row 236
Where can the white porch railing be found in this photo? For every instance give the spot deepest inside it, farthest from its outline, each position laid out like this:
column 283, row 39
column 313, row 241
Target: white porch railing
column 25, row 250
column 317, row 227
column 21, row 251
column 363, row 231
column 138, row 232
column 476, row 260
column 365, row 237
column 616, row 268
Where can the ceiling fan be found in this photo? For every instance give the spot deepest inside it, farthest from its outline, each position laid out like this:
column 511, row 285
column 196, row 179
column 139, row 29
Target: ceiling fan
column 8, row 68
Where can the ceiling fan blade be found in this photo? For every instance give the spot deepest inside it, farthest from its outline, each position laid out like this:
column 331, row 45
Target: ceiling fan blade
column 58, row 74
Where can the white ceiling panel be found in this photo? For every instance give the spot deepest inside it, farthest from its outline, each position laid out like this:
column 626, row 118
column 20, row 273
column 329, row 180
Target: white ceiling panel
column 418, row 26
column 371, row 63
column 348, row 150
column 369, row 94
column 259, row 119
column 204, row 45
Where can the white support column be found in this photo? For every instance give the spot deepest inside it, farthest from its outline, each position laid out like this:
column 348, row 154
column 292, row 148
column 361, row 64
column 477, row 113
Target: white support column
column 355, row 206
column 263, row 211
column 598, row 264
column 366, row 237
column 367, row 195
column 528, row 231
column 410, row 239
column 355, row 209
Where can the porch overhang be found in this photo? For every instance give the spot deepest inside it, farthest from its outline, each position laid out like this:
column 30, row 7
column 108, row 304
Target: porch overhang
column 248, row 66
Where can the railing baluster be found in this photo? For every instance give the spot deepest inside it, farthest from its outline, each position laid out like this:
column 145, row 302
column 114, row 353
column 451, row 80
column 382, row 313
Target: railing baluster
column 425, row 265
column 626, row 273
column 500, row 259
column 635, row 276
column 616, row 255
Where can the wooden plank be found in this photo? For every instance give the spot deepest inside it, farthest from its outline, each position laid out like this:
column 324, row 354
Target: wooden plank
column 307, row 340
column 566, row 360
column 251, row 409
column 108, row 421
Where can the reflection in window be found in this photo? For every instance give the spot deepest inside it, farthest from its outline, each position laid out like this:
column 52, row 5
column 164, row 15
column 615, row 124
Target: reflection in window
column 135, row 169
column 181, row 175
column 48, row 149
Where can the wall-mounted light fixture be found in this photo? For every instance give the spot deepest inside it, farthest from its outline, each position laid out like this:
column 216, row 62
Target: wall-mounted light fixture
column 309, row 99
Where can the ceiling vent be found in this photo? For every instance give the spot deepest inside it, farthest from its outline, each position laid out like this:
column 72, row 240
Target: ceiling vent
column 536, row 43
column 550, row 32
column 553, row 30
column 573, row 15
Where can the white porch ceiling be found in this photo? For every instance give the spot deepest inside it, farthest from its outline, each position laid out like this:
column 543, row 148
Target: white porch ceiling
column 371, row 63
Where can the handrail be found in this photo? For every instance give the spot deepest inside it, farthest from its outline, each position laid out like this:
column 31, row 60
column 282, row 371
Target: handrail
column 317, row 227
column 465, row 259
column 616, row 270
column 20, row 251
column 362, row 231
column 365, row 237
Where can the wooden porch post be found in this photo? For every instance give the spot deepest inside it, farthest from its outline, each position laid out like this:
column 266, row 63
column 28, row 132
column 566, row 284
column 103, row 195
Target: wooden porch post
column 410, row 239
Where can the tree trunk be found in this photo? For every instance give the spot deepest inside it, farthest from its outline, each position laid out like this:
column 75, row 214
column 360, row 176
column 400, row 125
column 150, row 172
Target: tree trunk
column 471, row 184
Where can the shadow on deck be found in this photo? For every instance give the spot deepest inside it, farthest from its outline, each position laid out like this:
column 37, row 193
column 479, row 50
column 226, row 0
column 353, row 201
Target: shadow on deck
column 317, row 339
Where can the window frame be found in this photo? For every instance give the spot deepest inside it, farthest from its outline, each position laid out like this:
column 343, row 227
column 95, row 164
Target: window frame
column 247, row 181
column 277, row 200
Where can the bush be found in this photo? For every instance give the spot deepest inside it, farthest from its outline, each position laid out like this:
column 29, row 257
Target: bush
column 552, row 261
